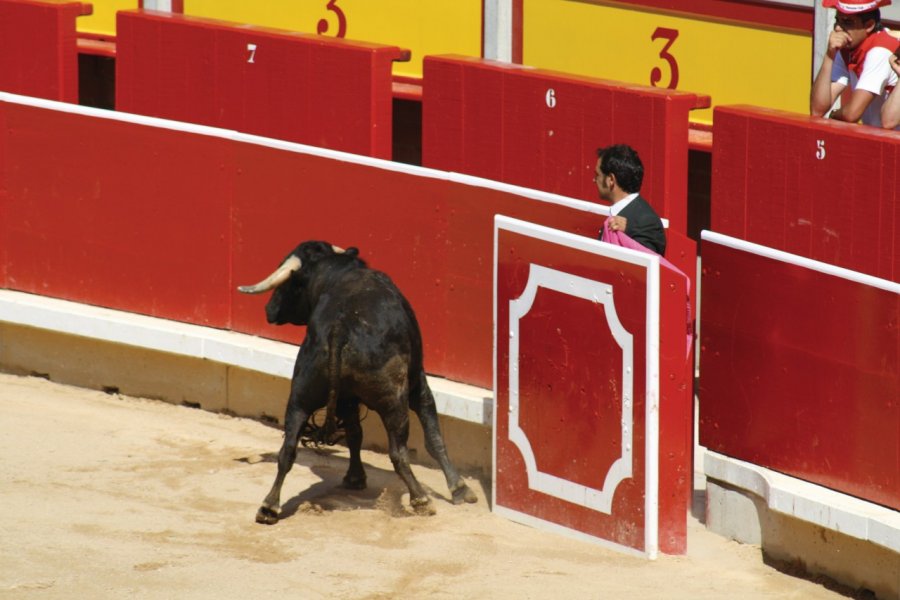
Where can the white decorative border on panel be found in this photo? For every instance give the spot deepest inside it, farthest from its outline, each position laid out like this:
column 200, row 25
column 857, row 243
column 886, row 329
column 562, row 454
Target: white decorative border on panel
column 600, row 293
column 651, row 415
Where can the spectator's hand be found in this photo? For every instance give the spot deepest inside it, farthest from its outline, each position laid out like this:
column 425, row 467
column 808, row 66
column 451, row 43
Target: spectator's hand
column 617, row 223
column 894, row 61
column 836, row 41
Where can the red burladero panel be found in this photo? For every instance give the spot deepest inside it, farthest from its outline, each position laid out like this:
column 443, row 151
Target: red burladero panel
column 570, row 393
column 541, row 129
column 801, row 373
column 816, row 188
column 38, row 48
column 116, row 214
column 286, row 85
column 570, row 390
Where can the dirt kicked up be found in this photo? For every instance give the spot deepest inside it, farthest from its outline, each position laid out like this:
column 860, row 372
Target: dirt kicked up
column 105, row 496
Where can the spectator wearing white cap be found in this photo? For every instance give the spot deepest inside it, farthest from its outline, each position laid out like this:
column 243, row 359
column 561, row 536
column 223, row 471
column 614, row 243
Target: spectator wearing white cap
column 857, row 57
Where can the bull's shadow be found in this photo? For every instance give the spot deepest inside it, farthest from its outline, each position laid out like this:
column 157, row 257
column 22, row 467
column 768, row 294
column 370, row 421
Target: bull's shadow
column 384, row 489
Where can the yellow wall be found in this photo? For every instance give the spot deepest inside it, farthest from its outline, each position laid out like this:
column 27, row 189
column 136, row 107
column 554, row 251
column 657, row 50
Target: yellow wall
column 422, row 26
column 103, row 19
column 735, row 64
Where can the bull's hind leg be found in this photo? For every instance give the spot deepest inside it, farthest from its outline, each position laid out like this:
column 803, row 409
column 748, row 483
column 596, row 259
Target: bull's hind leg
column 355, row 479
column 271, row 506
column 396, row 422
column 422, row 402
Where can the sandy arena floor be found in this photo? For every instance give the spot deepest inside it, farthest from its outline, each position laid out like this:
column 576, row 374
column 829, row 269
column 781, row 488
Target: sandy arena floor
column 105, row 496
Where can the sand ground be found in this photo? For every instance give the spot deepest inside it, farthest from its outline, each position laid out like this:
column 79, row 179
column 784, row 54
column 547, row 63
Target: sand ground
column 105, row 496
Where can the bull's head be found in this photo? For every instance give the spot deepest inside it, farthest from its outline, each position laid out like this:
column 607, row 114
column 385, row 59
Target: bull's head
column 290, row 303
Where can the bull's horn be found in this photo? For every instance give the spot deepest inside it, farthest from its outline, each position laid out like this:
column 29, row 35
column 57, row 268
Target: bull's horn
column 275, row 279
column 338, row 249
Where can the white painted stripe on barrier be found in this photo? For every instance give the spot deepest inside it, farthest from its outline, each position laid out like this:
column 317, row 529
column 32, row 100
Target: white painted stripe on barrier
column 809, row 502
column 651, row 464
column 800, row 261
column 453, row 399
column 236, row 136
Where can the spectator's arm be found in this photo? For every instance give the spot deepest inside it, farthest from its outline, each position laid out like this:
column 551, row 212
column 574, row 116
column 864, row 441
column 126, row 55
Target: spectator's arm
column 825, row 91
column 853, row 110
column 890, row 112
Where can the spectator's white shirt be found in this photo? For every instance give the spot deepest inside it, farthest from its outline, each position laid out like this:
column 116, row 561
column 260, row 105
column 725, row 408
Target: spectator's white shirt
column 877, row 77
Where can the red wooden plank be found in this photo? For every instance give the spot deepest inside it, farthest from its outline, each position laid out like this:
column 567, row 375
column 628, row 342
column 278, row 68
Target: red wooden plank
column 297, row 87
column 801, row 373
column 129, row 217
column 541, row 128
column 575, row 437
column 38, row 48
column 818, row 188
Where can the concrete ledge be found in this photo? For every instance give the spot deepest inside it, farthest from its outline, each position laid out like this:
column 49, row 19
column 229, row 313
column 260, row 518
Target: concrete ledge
column 854, row 542
column 453, row 399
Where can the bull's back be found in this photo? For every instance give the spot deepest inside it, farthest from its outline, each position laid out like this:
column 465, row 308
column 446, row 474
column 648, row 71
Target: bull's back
column 367, row 319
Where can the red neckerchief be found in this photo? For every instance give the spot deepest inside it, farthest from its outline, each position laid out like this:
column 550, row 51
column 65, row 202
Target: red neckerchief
column 855, row 58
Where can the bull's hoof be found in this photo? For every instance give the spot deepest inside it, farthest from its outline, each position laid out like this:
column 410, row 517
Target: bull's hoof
column 464, row 494
column 354, row 483
column 266, row 515
column 423, row 507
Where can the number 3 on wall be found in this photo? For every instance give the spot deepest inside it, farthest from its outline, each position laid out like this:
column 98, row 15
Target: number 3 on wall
column 656, row 74
column 322, row 27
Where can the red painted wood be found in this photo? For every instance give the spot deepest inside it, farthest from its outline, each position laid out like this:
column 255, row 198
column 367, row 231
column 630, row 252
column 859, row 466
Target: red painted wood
column 117, row 215
column 570, row 395
column 168, row 223
column 801, row 373
column 493, row 120
column 557, row 420
column 303, row 88
column 439, row 251
column 38, row 48
column 771, row 188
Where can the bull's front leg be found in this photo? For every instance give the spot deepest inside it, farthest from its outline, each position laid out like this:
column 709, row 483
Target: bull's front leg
column 271, row 507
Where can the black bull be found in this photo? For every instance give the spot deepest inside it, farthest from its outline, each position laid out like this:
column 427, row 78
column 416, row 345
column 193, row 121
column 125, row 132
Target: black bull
column 362, row 346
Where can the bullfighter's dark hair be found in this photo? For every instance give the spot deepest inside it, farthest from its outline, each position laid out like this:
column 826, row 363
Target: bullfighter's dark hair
column 622, row 161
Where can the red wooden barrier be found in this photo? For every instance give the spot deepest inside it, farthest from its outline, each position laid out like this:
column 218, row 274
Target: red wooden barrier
column 166, row 222
column 812, row 187
column 541, row 129
column 38, row 48
column 116, row 214
column 286, row 85
column 801, row 368
column 592, row 415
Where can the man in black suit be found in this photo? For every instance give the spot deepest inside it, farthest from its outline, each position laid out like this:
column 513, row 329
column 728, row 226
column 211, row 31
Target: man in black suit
column 618, row 175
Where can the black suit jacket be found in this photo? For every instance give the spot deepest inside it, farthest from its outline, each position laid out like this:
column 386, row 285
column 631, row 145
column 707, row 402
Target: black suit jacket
column 644, row 225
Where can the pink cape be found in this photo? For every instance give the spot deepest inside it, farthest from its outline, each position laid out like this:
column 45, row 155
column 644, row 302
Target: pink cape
column 620, row 238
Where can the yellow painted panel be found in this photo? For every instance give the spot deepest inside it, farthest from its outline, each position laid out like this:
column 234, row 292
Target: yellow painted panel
column 103, row 20
column 422, row 26
column 732, row 63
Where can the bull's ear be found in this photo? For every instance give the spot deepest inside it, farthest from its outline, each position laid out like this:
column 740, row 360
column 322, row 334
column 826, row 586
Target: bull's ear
column 352, row 251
